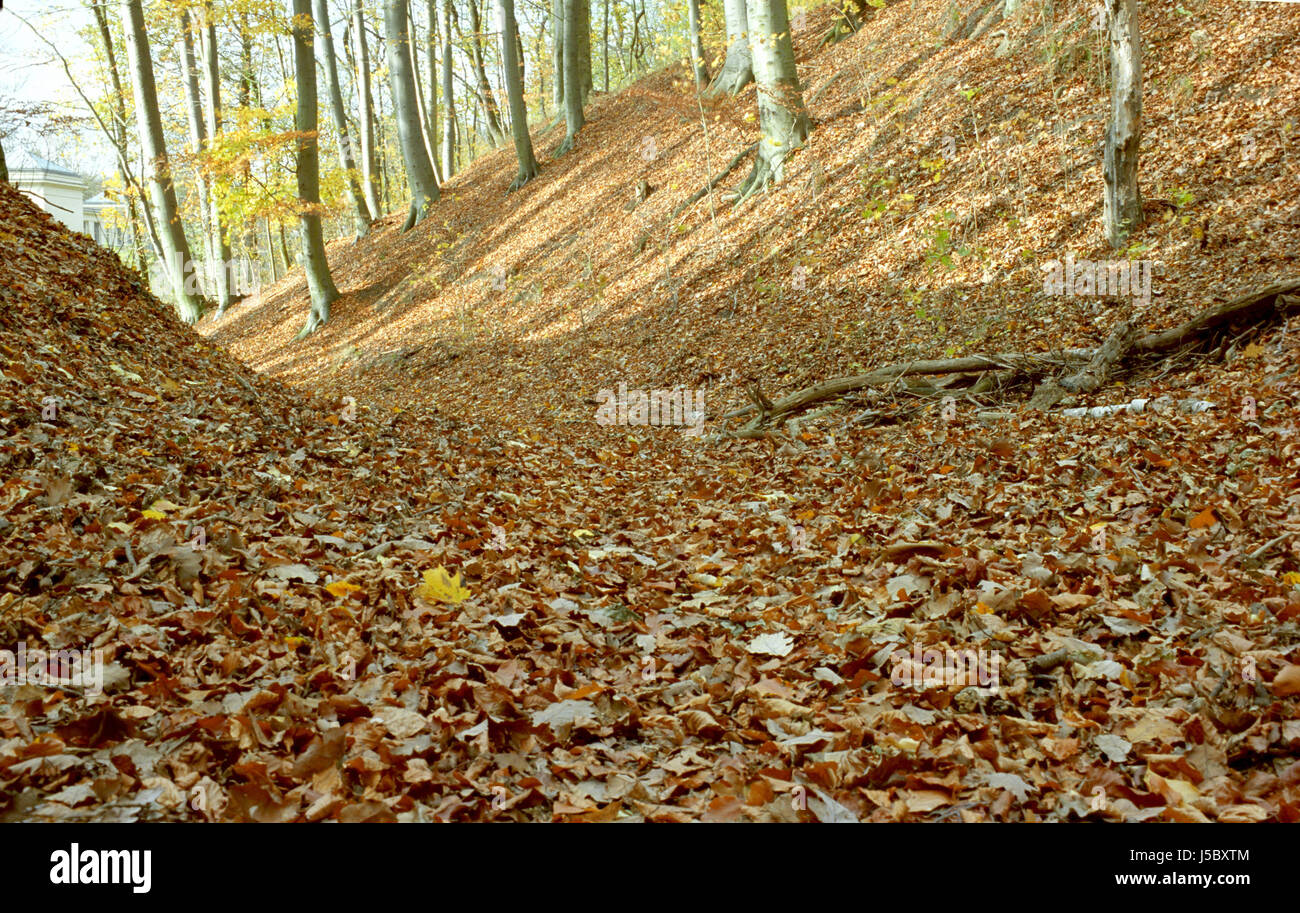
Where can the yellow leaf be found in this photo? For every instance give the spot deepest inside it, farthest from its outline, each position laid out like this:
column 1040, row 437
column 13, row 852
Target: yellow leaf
column 153, row 514
column 1254, row 350
column 1292, row 578
column 582, row 534
column 439, row 586
column 340, row 588
column 164, row 504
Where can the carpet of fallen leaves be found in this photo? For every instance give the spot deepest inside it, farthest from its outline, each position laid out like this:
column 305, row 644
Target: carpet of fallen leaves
column 393, row 614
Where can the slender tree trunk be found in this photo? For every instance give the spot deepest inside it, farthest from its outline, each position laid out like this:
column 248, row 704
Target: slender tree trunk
column 572, row 75
column 448, row 98
column 366, row 102
column 270, row 249
column 120, row 128
column 782, row 120
column 584, row 48
column 604, row 54
column 4, row 169
column 360, row 208
column 419, row 170
column 171, row 231
column 319, row 282
column 738, row 68
column 426, row 134
column 557, row 43
column 511, row 52
column 212, row 79
column 496, row 134
column 246, row 78
column 198, row 141
column 698, row 64
column 431, row 109
column 1123, row 202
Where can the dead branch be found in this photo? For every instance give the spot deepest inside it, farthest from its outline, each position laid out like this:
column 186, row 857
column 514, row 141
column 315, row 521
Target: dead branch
column 709, row 185
column 1089, row 368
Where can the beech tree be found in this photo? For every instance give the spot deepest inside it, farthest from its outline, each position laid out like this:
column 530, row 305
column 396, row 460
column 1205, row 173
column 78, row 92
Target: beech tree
column 360, row 208
column 208, row 211
column 782, row 119
column 738, row 67
column 212, row 114
column 319, row 282
column 1123, row 203
column 510, row 54
column 366, row 125
column 419, row 170
column 176, row 248
column 572, row 54
column 448, row 99
column 492, row 129
column 698, row 65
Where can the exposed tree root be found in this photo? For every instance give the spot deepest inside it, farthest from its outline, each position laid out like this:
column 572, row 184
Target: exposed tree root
column 1081, row 370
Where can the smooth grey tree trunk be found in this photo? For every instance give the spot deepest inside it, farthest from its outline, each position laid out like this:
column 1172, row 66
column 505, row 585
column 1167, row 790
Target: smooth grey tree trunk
column 370, row 177
column 198, row 140
column 406, row 112
column 431, row 107
column 572, row 75
column 120, row 130
column 557, row 58
column 782, row 119
column 496, row 134
column 176, row 249
column 1123, row 204
column 448, row 98
column 430, row 147
column 212, row 84
column 319, row 282
column 510, row 53
column 698, row 65
column 738, row 67
column 584, row 48
column 360, row 208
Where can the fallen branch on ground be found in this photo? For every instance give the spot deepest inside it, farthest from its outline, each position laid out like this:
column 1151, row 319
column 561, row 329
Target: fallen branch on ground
column 712, row 182
column 1088, row 369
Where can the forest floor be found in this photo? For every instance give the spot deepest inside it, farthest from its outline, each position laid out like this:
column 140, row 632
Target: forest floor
column 456, row 595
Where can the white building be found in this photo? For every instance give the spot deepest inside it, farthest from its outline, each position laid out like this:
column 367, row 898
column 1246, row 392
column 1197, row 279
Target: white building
column 62, row 193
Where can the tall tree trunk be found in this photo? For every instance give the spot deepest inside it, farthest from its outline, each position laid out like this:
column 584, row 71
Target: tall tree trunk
column 1123, row 204
column 572, row 75
column 698, row 64
column 782, row 119
column 496, row 134
column 511, row 52
column 557, row 47
column 319, row 282
column 198, row 142
column 431, row 109
column 120, row 129
column 430, row 146
column 584, row 48
column 212, row 80
column 604, row 54
column 360, row 208
column 738, row 68
column 246, row 78
column 366, row 102
column 419, row 170
column 171, row 232
column 448, row 98
column 4, row 169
